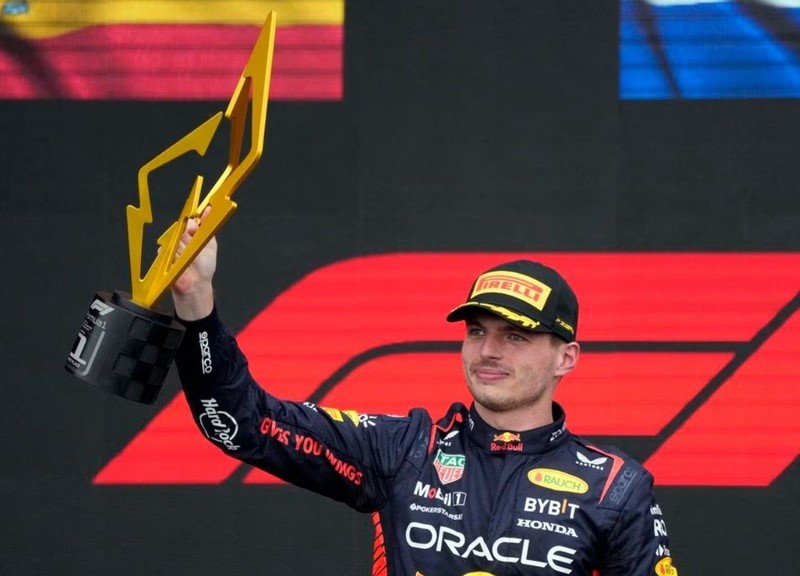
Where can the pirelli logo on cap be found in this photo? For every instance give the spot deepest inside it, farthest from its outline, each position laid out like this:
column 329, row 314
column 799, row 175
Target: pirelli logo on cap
column 512, row 284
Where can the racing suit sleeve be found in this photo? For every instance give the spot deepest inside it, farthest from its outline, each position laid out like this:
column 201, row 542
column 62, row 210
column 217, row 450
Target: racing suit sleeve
column 346, row 456
column 638, row 544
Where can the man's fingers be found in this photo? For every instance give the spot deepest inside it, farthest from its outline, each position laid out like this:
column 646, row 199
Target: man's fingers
column 192, row 226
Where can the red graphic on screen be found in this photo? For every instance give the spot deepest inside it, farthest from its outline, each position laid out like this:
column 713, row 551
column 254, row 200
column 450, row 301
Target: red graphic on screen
column 696, row 350
column 169, row 62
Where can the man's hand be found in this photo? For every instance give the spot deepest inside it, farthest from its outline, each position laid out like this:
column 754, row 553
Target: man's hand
column 193, row 292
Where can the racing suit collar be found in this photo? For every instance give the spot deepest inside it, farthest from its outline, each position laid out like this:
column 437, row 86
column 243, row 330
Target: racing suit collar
column 533, row 441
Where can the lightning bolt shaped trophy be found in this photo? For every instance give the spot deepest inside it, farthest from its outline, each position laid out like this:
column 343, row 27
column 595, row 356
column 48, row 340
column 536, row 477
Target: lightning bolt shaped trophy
column 124, row 345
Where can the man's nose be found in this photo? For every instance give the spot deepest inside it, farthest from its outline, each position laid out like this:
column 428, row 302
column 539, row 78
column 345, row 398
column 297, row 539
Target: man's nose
column 491, row 347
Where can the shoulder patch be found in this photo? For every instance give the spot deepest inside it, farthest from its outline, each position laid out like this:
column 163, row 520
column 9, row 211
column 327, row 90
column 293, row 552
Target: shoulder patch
column 619, row 485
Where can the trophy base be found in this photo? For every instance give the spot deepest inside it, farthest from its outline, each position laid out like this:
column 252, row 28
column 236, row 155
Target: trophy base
column 124, row 348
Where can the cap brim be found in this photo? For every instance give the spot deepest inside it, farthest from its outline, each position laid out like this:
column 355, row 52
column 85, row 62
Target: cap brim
column 461, row 313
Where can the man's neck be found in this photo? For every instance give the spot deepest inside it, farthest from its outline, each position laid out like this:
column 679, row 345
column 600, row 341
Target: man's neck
column 518, row 420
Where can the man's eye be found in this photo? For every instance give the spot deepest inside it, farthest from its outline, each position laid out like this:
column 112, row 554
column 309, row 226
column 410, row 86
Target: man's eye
column 474, row 331
column 516, row 337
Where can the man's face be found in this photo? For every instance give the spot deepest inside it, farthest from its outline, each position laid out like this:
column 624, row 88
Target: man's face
column 508, row 368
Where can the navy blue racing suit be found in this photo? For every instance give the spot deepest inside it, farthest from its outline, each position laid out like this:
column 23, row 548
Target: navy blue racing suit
column 448, row 497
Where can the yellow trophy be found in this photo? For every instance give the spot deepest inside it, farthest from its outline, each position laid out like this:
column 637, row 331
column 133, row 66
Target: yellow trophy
column 124, row 345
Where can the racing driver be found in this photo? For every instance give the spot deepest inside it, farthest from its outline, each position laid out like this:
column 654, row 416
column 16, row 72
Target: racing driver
column 499, row 487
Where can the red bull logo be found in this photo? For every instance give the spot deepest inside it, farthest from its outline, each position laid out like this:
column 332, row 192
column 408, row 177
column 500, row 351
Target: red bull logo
column 507, row 437
column 506, row 442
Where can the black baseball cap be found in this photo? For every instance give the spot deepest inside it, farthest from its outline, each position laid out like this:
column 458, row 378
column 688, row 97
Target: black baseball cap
column 528, row 294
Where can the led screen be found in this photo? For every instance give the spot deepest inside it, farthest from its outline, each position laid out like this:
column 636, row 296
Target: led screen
column 165, row 50
column 681, row 49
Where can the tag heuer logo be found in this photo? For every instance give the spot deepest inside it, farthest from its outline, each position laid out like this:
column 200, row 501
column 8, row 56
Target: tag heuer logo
column 449, row 467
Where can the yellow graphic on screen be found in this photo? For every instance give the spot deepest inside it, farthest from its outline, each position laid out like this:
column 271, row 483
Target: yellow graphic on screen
column 251, row 92
column 48, row 19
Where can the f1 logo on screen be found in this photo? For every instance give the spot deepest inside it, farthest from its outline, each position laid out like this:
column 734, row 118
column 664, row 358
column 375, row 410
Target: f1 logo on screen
column 695, row 350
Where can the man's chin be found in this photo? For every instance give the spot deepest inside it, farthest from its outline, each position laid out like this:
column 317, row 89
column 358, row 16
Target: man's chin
column 492, row 402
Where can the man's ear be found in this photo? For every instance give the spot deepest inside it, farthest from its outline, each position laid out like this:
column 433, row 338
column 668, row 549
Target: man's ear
column 568, row 359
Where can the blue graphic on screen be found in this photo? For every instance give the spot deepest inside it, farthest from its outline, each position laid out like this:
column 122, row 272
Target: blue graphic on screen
column 709, row 49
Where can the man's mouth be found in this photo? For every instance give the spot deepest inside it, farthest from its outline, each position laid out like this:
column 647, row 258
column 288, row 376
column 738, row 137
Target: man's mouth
column 489, row 373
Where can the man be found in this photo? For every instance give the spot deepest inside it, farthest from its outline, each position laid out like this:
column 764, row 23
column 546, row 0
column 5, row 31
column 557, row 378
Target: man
column 501, row 487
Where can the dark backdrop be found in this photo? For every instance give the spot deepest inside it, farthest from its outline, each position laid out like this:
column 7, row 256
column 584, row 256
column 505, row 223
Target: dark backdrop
column 466, row 126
